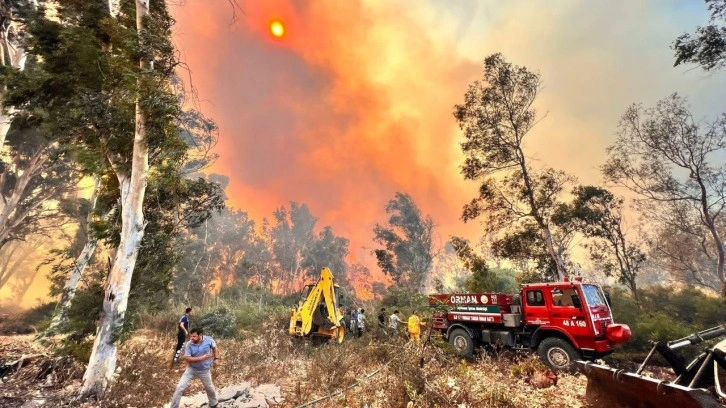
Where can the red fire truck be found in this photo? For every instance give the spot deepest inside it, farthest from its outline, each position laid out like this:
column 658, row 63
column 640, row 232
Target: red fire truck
column 564, row 321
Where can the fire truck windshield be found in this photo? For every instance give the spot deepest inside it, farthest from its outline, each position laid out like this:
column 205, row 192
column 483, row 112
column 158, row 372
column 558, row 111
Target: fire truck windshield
column 592, row 295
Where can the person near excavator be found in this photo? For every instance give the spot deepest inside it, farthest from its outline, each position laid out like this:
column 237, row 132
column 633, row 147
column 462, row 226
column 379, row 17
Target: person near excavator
column 361, row 322
column 199, row 355
column 354, row 323
column 414, row 327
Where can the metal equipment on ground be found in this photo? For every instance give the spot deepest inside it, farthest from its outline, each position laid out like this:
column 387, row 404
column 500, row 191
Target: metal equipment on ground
column 698, row 384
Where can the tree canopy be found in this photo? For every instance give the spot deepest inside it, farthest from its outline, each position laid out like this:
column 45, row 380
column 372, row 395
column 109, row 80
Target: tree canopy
column 514, row 198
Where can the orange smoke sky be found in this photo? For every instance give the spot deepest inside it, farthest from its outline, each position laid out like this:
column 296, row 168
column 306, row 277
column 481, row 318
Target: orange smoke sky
column 354, row 103
column 340, row 113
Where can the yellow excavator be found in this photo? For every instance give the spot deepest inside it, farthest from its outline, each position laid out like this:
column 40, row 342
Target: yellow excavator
column 318, row 315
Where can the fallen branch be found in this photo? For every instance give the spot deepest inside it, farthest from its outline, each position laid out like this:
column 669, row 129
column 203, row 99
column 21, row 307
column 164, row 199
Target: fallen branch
column 18, row 364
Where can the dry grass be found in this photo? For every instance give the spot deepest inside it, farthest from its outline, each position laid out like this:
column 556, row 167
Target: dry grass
column 378, row 372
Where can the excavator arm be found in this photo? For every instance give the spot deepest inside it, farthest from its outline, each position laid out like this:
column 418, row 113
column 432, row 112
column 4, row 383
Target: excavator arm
column 319, row 310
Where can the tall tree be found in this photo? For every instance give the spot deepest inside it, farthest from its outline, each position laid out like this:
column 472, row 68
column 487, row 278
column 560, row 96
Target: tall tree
column 598, row 215
column 707, row 47
column 665, row 156
column 37, row 175
column 132, row 185
column 105, row 77
column 329, row 251
column 680, row 244
column 292, row 238
column 407, row 240
column 496, row 116
column 13, row 14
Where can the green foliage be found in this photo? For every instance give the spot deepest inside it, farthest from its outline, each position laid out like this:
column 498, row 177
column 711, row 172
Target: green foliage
column 526, row 276
column 329, row 251
column 86, row 307
column 220, row 322
column 515, row 200
column 80, row 91
column 405, row 299
column 254, row 316
column 707, row 47
column 407, row 242
column 665, row 314
column 525, row 246
column 597, row 214
column 481, row 279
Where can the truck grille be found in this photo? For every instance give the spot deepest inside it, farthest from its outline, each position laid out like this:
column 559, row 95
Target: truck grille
column 604, row 325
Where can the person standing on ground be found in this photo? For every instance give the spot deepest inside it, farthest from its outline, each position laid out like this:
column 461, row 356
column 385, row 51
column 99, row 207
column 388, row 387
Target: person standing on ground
column 393, row 322
column 354, row 322
column 182, row 332
column 382, row 320
column 414, row 328
column 199, row 355
column 361, row 322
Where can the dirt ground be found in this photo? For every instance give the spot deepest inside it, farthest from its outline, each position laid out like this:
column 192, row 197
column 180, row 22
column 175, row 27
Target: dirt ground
column 35, row 377
column 379, row 373
column 357, row 373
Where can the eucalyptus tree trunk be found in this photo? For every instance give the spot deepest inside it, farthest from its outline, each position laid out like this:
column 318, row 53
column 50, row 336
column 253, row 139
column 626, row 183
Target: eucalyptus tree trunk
column 16, row 206
column 12, row 54
column 79, row 268
column 102, row 363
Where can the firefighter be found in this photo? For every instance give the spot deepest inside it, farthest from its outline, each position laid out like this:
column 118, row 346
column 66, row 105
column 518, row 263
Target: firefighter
column 414, row 327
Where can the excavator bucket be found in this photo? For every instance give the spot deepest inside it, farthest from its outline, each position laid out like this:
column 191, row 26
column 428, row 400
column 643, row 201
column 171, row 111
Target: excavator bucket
column 698, row 384
column 610, row 387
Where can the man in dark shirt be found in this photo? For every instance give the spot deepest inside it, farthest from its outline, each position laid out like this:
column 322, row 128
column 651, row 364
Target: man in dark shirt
column 382, row 320
column 182, row 333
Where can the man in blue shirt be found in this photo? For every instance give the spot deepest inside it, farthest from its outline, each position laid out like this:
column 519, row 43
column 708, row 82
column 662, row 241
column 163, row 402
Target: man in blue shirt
column 200, row 353
column 182, row 333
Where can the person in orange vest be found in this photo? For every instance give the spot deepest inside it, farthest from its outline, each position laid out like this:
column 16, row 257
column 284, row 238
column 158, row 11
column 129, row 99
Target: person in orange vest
column 414, row 327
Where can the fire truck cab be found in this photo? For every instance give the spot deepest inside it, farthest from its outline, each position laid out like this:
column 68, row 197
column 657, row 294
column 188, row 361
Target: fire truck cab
column 563, row 321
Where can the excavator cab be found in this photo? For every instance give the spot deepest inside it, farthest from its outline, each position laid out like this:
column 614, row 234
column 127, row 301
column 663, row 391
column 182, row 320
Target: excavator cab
column 700, row 383
column 318, row 315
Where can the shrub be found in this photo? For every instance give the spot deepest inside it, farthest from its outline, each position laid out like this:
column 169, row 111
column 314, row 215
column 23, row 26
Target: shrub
column 220, row 322
column 403, row 298
column 665, row 314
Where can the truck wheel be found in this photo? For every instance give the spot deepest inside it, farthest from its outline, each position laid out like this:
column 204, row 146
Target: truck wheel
column 558, row 354
column 461, row 342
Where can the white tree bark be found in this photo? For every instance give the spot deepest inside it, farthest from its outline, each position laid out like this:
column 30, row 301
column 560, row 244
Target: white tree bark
column 11, row 41
column 102, row 363
column 11, row 214
column 114, row 7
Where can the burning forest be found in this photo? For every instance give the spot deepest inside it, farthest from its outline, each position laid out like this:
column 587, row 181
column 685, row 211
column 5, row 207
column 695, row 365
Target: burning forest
column 362, row 204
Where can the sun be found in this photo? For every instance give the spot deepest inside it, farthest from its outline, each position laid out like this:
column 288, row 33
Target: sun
column 277, row 29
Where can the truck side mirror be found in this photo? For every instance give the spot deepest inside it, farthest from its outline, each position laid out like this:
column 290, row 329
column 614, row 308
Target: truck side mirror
column 576, row 301
column 607, row 299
